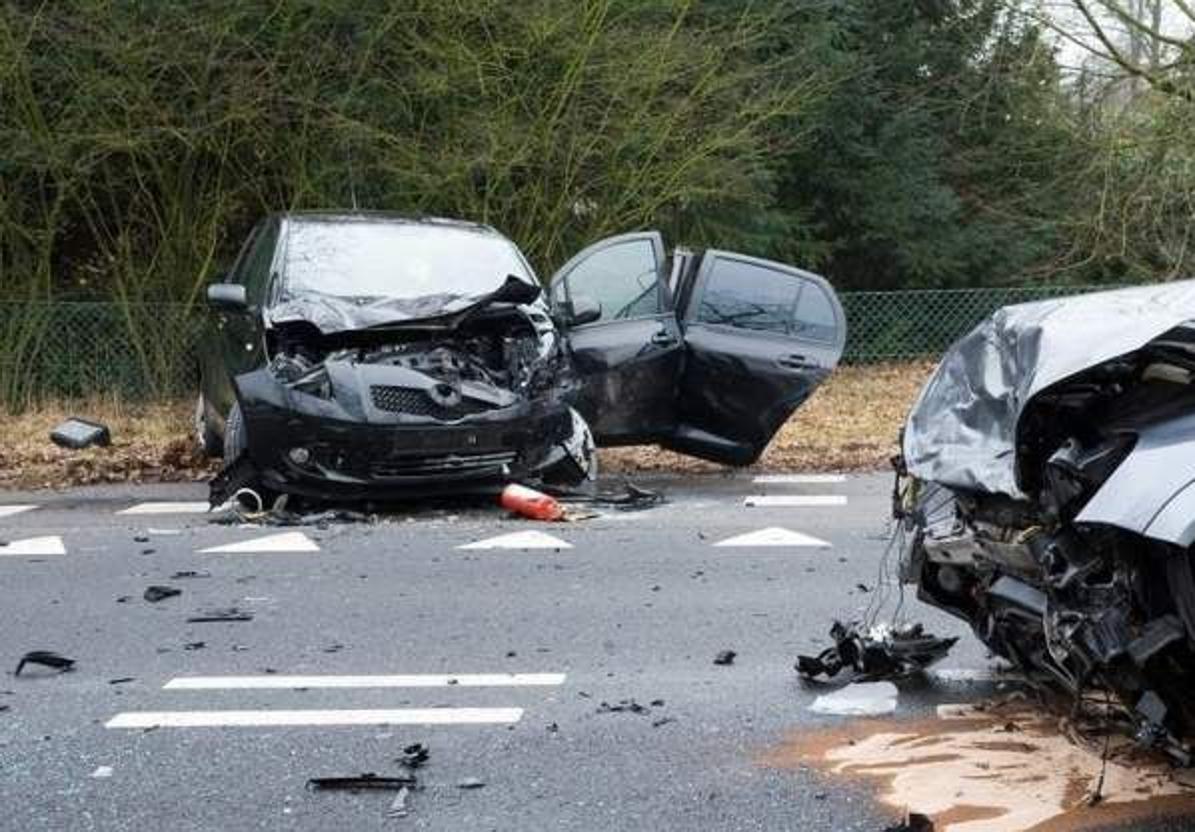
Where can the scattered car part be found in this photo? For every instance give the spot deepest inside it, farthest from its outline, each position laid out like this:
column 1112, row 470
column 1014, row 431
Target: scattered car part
column 471, row 783
column 881, row 652
column 725, row 657
column 123, row 680
column 361, row 782
column 77, row 434
column 153, row 594
column 414, row 755
column 1045, row 497
column 46, row 658
column 532, row 504
column 190, row 573
column 215, row 616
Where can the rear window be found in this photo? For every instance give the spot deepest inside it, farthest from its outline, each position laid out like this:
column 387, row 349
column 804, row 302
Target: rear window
column 748, row 296
column 355, row 258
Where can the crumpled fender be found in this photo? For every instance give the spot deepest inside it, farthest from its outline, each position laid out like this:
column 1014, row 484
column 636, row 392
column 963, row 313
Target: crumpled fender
column 1152, row 492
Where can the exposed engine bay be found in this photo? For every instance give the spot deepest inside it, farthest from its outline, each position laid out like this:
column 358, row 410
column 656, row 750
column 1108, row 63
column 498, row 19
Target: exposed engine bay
column 1082, row 576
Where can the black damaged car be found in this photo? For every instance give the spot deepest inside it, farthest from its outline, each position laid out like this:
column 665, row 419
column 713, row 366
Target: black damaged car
column 366, row 354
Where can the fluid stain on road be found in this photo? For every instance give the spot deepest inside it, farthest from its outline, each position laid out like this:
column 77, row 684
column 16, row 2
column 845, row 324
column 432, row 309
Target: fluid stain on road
column 984, row 771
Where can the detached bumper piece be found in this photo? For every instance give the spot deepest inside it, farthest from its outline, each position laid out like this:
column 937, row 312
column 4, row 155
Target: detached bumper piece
column 877, row 653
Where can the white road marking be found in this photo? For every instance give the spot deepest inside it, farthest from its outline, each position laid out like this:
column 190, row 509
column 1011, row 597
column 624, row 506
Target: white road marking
column 285, row 542
column 954, row 674
column 12, row 511
column 794, row 500
column 428, row 680
column 774, row 536
column 858, row 699
column 102, row 771
column 167, row 508
column 34, row 546
column 245, row 719
column 800, row 479
column 520, row 540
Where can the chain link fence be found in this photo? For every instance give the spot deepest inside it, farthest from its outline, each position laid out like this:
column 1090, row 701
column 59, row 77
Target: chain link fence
column 143, row 352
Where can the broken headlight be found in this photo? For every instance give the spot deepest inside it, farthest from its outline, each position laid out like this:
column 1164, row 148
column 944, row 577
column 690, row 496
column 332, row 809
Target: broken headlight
column 314, row 383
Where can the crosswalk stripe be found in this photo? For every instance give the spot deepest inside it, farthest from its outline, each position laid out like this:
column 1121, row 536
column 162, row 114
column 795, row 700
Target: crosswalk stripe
column 429, row 680
column 799, row 479
column 774, row 536
column 794, row 500
column 12, row 511
column 285, row 542
column 167, row 508
column 520, row 540
column 264, row 718
column 34, row 546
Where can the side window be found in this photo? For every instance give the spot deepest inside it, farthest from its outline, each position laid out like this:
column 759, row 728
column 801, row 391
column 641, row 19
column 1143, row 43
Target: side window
column 254, row 273
column 623, row 278
column 749, row 296
column 815, row 314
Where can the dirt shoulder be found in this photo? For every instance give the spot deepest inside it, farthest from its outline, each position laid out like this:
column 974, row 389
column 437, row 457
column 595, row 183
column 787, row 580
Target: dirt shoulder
column 850, row 424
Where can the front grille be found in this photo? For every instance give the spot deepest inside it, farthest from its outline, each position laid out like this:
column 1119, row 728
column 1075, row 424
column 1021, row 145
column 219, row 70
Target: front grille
column 418, row 403
column 423, row 466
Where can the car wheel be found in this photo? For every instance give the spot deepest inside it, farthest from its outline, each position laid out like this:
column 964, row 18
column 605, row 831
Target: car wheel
column 210, row 443
column 235, row 442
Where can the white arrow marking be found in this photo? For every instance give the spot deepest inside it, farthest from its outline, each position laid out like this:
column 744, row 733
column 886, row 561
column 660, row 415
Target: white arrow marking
column 429, row 680
column 285, row 542
column 520, row 540
column 794, row 500
column 167, row 508
column 774, row 536
column 34, row 546
column 11, row 511
column 800, row 479
column 242, row 719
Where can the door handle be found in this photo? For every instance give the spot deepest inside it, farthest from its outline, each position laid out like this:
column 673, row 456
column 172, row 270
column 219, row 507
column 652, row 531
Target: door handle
column 663, row 338
column 796, row 362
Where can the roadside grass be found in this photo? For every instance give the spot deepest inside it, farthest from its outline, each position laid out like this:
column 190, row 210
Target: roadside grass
column 849, row 424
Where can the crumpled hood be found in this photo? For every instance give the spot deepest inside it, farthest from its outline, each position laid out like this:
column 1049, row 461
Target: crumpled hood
column 332, row 314
column 962, row 429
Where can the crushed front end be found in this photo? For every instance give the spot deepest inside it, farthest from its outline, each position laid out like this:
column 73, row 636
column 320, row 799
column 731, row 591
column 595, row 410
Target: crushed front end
column 1047, row 497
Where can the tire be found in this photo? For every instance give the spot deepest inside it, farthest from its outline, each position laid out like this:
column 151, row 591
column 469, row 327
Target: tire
column 210, row 443
column 235, row 442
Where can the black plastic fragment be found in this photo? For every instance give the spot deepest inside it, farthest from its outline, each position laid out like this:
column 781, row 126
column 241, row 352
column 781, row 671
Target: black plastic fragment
column 367, row 780
column 414, row 755
column 725, row 657
column 154, row 594
column 46, row 658
column 230, row 614
column 471, row 783
column 123, row 680
column 878, row 653
column 915, row 822
column 237, row 474
column 190, row 573
column 77, row 434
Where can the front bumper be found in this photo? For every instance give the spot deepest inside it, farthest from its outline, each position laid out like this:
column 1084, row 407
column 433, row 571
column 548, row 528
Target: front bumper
column 355, row 451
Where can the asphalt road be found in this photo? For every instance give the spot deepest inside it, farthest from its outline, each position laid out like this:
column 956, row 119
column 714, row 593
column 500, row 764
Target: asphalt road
column 635, row 609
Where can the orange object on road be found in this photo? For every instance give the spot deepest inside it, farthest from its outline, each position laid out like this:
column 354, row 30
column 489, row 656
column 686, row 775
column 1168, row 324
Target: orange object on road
column 530, row 503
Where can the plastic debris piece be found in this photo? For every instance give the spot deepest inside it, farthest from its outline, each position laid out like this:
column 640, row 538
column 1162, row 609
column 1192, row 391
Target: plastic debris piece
column 414, row 755
column 532, row 504
column 725, row 657
column 154, row 594
column 46, row 658
column 881, row 652
column 367, row 780
column 471, row 783
column 77, row 434
column 858, row 699
column 399, row 808
column 190, row 573
column 212, row 616
column 123, row 680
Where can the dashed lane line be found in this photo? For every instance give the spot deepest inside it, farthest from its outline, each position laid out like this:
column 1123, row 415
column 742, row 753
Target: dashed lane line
column 167, row 508
column 415, row 680
column 794, row 500
column 800, row 479
column 13, row 511
column 267, row 718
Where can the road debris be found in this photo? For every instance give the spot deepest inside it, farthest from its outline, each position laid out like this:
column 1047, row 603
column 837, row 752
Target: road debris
column 471, row 783
column 398, row 808
column 880, row 652
column 913, row 822
column 102, row 772
column 214, row 616
column 123, row 680
column 154, row 594
column 189, row 573
column 414, row 755
column 77, row 434
column 367, row 781
column 725, row 657
column 858, row 699
column 45, row 658
column 195, row 645
column 531, row 504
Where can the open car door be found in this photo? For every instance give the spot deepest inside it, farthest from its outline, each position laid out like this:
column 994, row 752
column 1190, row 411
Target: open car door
column 759, row 338
column 705, row 354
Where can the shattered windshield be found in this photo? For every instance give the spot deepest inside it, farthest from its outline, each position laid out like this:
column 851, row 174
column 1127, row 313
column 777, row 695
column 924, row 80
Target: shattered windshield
column 393, row 259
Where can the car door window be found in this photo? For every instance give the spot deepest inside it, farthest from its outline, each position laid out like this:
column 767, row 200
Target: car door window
column 815, row 317
column 254, row 273
column 749, row 296
column 623, row 278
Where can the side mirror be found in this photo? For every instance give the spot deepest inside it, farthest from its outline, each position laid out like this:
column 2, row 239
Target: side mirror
column 227, row 297
column 583, row 310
